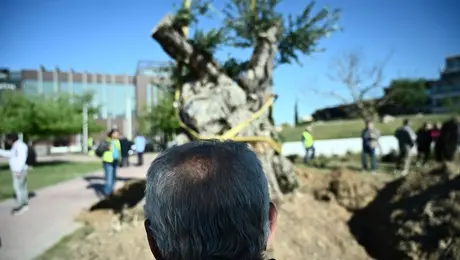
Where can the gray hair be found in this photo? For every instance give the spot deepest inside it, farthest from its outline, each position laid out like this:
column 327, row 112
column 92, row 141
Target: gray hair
column 208, row 200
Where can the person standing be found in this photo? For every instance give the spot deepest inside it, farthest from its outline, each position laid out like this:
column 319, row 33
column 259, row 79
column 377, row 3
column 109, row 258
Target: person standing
column 406, row 140
column 18, row 166
column 139, row 143
column 370, row 136
column 90, row 146
column 125, row 145
column 307, row 140
column 110, row 159
column 449, row 139
column 423, row 142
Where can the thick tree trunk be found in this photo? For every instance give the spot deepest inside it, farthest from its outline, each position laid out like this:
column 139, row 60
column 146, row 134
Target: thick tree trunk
column 216, row 103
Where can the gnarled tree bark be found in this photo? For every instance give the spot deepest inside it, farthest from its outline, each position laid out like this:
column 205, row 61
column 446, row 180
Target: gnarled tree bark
column 214, row 102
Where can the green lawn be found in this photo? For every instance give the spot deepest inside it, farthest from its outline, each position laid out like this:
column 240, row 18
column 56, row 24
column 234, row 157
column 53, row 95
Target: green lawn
column 45, row 174
column 352, row 128
column 352, row 162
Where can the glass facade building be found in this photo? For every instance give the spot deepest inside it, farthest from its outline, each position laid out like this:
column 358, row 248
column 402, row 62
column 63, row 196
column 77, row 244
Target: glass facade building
column 119, row 97
column 447, row 88
column 114, row 99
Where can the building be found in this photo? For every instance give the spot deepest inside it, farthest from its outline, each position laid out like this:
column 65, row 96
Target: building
column 445, row 91
column 120, row 97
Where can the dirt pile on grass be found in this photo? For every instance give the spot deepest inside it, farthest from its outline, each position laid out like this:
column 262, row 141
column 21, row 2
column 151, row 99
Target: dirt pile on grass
column 349, row 189
column 311, row 229
column 307, row 229
column 416, row 217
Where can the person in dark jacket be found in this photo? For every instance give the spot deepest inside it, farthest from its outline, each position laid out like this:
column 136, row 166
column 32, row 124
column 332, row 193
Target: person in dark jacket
column 423, row 142
column 125, row 147
column 449, row 139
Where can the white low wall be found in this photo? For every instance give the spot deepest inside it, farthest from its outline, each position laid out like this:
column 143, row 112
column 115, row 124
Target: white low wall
column 66, row 149
column 339, row 146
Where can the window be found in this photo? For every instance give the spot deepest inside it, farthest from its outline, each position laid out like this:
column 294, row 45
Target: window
column 78, row 88
column 119, row 94
column 66, row 87
column 155, row 96
column 30, row 87
column 15, row 75
column 149, row 96
column 48, row 88
column 132, row 96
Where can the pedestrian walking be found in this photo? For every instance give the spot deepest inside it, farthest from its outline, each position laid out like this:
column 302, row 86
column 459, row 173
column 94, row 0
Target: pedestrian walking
column 139, row 143
column 370, row 136
column 406, row 140
column 17, row 159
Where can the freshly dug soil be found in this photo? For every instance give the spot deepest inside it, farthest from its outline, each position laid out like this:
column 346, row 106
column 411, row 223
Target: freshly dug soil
column 416, row 217
column 307, row 229
column 351, row 190
column 311, row 229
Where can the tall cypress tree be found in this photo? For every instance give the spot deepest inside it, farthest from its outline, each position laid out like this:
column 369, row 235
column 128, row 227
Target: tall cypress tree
column 296, row 113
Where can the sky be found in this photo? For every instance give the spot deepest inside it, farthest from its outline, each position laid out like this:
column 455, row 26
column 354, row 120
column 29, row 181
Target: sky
column 111, row 36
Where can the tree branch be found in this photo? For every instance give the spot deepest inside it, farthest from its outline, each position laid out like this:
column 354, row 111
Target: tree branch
column 262, row 61
column 169, row 36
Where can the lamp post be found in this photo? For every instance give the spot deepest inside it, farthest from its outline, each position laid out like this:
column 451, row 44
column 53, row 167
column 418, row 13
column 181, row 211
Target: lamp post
column 85, row 128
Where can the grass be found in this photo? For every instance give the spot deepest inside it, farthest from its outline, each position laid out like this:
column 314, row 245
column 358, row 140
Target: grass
column 352, row 128
column 61, row 249
column 45, row 174
column 352, row 162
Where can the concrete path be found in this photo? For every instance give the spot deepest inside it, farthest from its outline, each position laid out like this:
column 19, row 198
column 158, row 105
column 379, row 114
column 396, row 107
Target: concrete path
column 52, row 213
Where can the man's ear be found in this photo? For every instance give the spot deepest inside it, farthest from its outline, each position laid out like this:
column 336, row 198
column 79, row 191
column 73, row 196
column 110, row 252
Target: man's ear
column 152, row 243
column 272, row 216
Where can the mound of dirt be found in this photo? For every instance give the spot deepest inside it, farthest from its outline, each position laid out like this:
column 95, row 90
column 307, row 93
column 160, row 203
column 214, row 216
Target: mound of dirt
column 307, row 229
column 349, row 189
column 310, row 229
column 416, row 217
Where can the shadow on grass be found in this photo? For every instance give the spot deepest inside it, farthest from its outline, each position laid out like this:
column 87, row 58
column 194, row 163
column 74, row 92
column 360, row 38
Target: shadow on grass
column 126, row 197
column 99, row 178
column 97, row 183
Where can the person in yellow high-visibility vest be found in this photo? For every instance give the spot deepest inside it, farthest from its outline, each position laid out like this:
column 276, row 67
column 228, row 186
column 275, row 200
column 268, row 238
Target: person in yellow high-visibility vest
column 90, row 146
column 307, row 140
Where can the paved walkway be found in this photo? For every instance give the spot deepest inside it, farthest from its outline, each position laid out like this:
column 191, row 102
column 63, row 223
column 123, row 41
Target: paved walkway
column 51, row 215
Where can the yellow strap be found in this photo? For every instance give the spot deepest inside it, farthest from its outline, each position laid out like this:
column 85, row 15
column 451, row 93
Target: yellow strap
column 231, row 134
column 234, row 131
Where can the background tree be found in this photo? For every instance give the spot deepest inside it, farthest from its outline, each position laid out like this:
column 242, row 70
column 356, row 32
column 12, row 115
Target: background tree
column 296, row 113
column 16, row 112
column 452, row 105
column 46, row 116
column 161, row 120
column 408, row 93
column 217, row 96
column 357, row 80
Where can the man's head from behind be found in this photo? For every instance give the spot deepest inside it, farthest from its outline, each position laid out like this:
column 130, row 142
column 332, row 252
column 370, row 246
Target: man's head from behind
column 208, row 200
